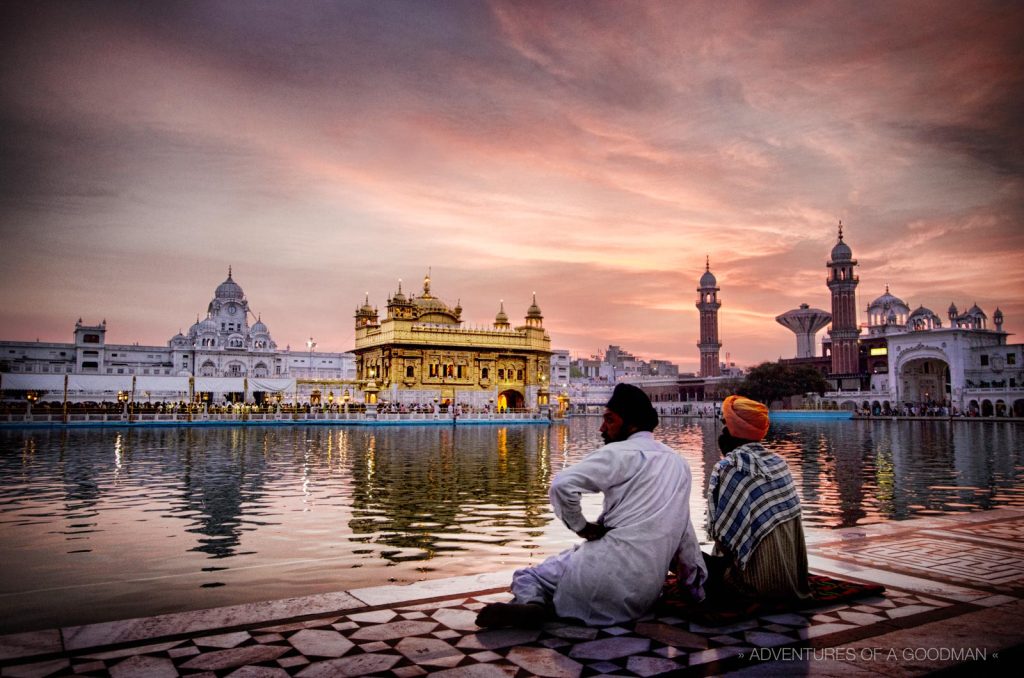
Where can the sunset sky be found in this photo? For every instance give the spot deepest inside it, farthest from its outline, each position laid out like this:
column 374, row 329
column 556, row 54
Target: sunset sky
column 592, row 152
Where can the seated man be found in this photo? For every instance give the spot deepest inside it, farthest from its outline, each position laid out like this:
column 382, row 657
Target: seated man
column 617, row 573
column 753, row 515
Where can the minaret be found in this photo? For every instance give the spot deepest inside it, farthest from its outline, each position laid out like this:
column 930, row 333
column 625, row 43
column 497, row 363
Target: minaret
column 843, row 284
column 708, row 305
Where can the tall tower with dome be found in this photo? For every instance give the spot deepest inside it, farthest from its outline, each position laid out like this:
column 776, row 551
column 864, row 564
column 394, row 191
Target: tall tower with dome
column 708, row 305
column 844, row 332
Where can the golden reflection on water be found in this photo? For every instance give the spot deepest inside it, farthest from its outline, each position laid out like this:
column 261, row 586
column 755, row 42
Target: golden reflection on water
column 272, row 512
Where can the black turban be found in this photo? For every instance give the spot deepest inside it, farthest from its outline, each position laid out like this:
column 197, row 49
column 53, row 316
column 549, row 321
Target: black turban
column 634, row 407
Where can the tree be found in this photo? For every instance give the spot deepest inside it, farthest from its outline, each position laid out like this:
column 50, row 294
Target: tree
column 770, row 382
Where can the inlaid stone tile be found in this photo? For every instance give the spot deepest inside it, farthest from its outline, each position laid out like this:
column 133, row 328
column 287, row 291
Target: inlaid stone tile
column 610, row 648
column 822, row 630
column 456, row 602
column 462, row 620
column 356, row 665
column 541, row 661
column 493, row 639
column 223, row 640
column 671, row 652
column 445, row 634
column 571, row 632
column 268, row 638
column 30, row 643
column 239, row 656
column 429, row 652
column 408, row 672
column 767, row 639
column 898, row 612
column 344, row 626
column 717, row 654
column 394, row 630
column 615, row 631
column 413, row 615
column 788, row 619
column 606, row 668
column 131, row 651
column 141, row 666
column 258, row 672
column 992, row 601
column 295, row 626
column 555, row 642
column 477, row 671
column 187, row 651
column 313, row 643
column 375, row 617
column 651, row 666
column 725, row 628
column 90, row 667
column 859, row 618
column 36, row 669
column 671, row 635
column 375, row 646
column 295, row 660
column 726, row 640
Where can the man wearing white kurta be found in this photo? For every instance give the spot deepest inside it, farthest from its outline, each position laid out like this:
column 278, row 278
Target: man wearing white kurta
column 644, row 530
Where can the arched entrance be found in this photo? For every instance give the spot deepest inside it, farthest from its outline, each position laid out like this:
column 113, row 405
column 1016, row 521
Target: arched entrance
column 510, row 400
column 925, row 381
column 1018, row 408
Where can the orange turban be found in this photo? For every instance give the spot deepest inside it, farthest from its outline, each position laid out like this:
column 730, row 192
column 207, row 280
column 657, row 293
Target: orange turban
column 745, row 418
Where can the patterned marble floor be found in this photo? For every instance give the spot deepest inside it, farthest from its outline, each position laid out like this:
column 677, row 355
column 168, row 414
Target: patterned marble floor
column 935, row 569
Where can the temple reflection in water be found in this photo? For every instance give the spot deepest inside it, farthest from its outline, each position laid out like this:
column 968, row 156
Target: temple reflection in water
column 225, row 515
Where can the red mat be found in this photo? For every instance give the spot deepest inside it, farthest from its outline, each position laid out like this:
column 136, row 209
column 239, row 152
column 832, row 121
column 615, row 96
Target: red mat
column 824, row 591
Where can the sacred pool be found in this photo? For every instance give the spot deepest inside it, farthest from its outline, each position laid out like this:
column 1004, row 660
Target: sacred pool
column 109, row 523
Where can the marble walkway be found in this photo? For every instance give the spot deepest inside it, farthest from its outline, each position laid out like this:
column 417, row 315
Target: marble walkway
column 954, row 598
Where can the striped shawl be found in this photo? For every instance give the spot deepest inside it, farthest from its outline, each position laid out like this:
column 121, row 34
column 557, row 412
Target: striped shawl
column 750, row 492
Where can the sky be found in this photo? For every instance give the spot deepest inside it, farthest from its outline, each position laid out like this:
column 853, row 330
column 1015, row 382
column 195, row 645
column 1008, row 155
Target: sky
column 593, row 153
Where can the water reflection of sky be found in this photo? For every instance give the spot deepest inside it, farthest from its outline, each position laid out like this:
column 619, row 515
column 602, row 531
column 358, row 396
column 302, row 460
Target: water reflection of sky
column 110, row 523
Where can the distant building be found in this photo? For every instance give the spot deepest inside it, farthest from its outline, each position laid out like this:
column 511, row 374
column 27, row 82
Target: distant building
column 708, row 305
column 221, row 345
column 421, row 352
column 909, row 359
column 561, row 369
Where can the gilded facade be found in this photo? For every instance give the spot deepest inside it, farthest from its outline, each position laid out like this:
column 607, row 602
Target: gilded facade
column 421, row 353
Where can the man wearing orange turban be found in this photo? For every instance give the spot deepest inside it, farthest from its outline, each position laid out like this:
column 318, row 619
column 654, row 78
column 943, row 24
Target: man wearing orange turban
column 753, row 515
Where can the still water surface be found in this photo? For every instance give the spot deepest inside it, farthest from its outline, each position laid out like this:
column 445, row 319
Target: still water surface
column 99, row 524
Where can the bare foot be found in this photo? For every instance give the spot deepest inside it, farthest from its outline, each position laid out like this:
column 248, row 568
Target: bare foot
column 521, row 615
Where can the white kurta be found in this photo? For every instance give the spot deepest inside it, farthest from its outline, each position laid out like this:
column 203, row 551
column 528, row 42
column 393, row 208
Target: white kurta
column 617, row 578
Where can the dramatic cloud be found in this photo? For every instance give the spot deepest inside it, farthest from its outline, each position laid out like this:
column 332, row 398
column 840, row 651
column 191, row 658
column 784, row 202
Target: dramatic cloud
column 593, row 152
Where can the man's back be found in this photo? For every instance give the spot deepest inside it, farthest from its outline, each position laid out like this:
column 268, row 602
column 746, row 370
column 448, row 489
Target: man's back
column 646, row 488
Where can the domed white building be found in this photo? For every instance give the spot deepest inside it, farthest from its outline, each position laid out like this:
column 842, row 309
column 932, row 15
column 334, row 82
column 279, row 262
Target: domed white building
column 221, row 346
column 910, row 359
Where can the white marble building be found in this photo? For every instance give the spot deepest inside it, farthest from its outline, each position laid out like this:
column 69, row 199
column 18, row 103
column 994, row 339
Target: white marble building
column 913, row 358
column 223, row 344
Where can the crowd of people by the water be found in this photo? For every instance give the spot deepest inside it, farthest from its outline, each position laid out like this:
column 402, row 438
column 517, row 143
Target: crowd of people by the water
column 267, row 406
column 925, row 409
